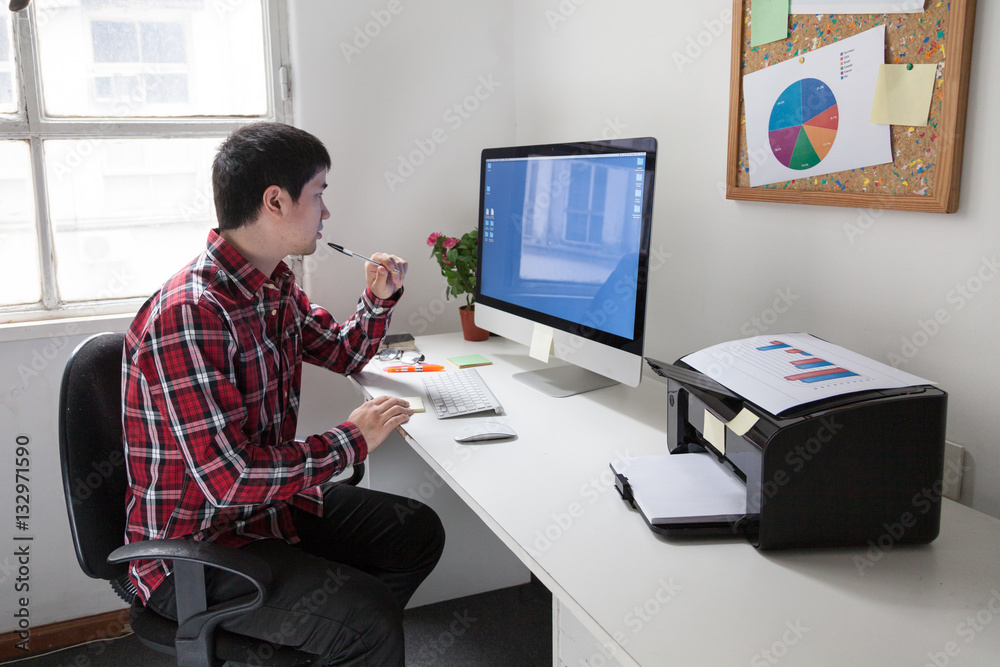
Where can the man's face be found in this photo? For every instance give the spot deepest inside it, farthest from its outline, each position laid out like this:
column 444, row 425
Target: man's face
column 305, row 219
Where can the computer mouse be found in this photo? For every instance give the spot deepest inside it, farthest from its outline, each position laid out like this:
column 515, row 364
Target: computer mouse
column 484, row 431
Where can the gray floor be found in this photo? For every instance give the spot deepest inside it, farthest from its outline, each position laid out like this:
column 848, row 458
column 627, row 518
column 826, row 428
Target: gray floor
column 511, row 627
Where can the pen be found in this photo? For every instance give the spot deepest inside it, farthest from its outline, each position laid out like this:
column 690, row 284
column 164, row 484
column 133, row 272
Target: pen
column 414, row 369
column 351, row 253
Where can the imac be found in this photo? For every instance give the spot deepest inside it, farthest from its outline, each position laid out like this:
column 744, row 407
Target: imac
column 564, row 234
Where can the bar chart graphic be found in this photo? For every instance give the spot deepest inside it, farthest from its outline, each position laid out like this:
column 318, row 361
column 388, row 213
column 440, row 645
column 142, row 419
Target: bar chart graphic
column 811, row 369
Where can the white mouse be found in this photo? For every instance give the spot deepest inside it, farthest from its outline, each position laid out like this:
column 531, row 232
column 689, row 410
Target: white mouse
column 484, row 431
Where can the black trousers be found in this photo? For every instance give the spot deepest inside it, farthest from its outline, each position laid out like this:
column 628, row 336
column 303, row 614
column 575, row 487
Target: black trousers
column 340, row 592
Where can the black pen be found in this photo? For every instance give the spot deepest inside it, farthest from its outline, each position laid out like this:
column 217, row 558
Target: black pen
column 351, row 253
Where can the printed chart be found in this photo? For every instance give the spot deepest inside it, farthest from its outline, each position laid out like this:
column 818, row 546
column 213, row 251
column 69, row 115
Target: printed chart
column 808, row 368
column 811, row 114
column 803, row 124
column 782, row 371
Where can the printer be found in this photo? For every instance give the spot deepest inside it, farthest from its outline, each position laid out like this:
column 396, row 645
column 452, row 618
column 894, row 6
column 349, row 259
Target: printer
column 860, row 468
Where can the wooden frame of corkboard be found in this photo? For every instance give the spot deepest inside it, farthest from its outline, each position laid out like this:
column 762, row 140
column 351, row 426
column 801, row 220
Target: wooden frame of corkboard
column 926, row 171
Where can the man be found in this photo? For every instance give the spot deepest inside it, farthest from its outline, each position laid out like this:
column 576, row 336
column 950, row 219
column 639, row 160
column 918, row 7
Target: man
column 211, row 375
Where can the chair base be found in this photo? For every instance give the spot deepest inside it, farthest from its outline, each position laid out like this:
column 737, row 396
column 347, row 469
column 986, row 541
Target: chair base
column 157, row 632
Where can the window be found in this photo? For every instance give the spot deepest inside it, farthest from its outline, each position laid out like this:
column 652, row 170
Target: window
column 7, row 101
column 105, row 165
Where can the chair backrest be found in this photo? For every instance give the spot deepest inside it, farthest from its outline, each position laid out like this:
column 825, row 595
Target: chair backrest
column 91, row 453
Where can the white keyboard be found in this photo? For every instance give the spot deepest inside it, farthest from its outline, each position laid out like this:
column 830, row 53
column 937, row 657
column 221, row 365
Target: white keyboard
column 459, row 392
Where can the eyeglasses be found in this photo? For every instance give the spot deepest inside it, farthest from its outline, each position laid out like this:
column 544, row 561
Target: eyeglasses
column 409, row 357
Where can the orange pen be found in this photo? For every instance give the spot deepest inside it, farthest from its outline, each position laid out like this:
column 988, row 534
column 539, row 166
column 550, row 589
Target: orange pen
column 414, row 369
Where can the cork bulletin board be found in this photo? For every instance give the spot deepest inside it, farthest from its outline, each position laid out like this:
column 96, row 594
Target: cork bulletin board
column 925, row 173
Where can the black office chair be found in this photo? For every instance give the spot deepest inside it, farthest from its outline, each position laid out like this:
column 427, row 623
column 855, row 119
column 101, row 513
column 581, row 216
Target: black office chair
column 94, row 480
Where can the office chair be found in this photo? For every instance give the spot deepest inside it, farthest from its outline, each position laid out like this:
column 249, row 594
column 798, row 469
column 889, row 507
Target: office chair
column 94, row 480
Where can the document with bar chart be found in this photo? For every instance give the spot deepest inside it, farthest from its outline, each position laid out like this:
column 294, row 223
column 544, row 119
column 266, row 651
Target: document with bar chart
column 783, row 371
column 811, row 114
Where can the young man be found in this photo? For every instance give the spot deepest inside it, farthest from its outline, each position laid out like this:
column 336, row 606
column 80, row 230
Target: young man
column 211, row 375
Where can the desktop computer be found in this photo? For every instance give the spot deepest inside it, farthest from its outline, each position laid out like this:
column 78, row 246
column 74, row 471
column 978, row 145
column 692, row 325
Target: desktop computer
column 564, row 237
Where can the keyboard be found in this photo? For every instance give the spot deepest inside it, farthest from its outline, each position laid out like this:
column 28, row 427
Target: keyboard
column 459, row 392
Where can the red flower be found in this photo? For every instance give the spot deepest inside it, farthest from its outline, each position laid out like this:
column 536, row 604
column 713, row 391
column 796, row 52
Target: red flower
column 450, row 243
column 432, row 239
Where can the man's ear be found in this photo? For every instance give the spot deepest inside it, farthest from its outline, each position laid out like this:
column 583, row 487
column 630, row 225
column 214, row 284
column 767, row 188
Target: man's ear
column 274, row 200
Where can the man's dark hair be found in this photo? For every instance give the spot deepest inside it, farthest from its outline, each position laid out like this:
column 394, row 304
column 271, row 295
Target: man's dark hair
column 257, row 156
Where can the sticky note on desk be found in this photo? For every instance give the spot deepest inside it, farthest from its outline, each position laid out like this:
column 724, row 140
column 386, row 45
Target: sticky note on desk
column 416, row 403
column 541, row 343
column 903, row 94
column 768, row 21
column 470, row 360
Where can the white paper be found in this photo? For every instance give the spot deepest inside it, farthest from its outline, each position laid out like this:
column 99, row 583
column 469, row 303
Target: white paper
column 782, row 371
column 856, row 7
column 813, row 117
column 683, row 488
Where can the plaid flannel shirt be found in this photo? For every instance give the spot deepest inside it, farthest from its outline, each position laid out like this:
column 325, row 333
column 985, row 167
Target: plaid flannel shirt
column 210, row 381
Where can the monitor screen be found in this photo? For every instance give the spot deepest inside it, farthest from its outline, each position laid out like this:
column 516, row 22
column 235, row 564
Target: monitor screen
column 564, row 232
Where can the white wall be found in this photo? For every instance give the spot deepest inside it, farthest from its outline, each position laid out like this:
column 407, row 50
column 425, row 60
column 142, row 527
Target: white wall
column 608, row 69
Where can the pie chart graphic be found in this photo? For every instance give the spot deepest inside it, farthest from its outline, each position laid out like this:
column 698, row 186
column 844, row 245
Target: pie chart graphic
column 803, row 124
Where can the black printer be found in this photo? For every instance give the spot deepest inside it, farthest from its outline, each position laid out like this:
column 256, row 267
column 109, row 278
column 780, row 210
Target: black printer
column 862, row 468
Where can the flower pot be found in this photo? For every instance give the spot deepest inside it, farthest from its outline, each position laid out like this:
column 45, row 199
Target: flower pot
column 469, row 329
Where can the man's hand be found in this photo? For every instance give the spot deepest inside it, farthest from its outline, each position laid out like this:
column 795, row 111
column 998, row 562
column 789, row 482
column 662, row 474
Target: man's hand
column 377, row 418
column 384, row 280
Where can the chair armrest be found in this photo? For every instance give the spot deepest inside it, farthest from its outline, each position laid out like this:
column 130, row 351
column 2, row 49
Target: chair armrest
column 196, row 622
column 229, row 559
column 357, row 474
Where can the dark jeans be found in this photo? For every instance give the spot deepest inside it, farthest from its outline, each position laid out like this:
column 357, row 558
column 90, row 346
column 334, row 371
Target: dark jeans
column 340, row 592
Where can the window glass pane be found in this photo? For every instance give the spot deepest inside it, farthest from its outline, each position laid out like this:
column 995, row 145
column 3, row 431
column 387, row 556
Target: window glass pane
column 152, row 58
column 18, row 238
column 114, row 42
column 166, row 87
column 127, row 214
column 8, row 101
column 162, row 42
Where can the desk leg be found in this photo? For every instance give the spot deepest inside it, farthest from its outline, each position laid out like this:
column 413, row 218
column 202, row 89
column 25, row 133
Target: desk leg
column 573, row 645
column 555, row 632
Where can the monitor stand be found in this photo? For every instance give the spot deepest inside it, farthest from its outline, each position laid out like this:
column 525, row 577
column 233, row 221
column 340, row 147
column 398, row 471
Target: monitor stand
column 563, row 381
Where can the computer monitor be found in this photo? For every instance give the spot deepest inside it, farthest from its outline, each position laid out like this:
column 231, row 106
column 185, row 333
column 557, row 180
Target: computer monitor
column 564, row 233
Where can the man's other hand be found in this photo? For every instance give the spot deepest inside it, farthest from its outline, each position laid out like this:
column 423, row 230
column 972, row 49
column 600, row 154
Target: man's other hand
column 377, row 418
column 386, row 279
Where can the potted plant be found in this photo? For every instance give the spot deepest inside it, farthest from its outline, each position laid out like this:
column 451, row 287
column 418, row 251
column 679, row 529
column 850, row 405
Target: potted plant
column 458, row 258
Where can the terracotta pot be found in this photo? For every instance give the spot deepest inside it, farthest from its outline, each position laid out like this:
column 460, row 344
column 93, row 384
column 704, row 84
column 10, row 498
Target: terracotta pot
column 469, row 328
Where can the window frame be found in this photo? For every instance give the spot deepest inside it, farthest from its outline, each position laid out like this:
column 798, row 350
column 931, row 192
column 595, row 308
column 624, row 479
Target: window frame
column 30, row 124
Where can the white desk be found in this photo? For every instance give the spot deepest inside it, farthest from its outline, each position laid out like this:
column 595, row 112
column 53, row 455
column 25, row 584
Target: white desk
column 646, row 601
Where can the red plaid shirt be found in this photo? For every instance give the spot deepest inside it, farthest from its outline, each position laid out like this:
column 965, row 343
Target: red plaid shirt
column 210, row 379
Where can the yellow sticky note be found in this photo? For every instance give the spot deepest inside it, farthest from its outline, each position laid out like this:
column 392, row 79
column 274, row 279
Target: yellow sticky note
column 742, row 422
column 416, row 403
column 903, row 94
column 715, row 432
column 541, row 343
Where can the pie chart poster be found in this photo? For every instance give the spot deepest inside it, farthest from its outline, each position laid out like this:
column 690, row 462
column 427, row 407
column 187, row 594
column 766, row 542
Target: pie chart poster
column 813, row 117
